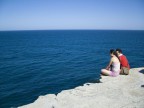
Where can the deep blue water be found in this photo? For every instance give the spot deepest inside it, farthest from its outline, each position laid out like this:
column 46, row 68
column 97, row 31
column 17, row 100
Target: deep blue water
column 34, row 63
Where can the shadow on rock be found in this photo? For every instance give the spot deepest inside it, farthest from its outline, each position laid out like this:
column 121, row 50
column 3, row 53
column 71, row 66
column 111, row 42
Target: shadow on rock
column 95, row 81
column 142, row 85
column 142, row 71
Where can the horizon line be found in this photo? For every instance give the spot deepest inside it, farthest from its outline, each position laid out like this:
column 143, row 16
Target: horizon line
column 74, row 29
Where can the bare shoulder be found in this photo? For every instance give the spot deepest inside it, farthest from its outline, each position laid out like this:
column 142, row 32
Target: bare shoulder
column 114, row 59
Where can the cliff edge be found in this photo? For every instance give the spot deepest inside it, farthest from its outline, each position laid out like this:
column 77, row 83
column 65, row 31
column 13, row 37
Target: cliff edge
column 124, row 91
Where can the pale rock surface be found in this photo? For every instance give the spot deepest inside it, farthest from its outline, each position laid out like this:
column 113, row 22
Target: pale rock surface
column 124, row 91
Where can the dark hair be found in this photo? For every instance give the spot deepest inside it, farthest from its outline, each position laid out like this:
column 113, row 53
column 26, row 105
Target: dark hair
column 119, row 50
column 112, row 51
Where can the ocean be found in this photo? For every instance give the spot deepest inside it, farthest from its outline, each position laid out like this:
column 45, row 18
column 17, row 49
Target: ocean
column 40, row 62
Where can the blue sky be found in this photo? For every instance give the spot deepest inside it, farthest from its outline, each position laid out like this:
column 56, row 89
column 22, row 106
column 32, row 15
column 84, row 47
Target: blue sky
column 71, row 14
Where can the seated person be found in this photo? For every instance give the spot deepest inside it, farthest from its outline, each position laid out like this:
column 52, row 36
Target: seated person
column 113, row 68
column 124, row 62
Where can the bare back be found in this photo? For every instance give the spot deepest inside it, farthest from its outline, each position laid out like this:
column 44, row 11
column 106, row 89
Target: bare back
column 115, row 59
column 115, row 64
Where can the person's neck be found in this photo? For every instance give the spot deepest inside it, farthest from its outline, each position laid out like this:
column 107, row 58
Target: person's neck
column 113, row 56
column 120, row 54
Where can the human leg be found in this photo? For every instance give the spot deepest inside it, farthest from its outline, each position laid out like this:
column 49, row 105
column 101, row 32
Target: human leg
column 105, row 72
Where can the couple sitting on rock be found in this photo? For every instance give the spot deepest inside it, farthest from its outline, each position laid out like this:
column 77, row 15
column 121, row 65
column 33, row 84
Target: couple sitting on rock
column 118, row 64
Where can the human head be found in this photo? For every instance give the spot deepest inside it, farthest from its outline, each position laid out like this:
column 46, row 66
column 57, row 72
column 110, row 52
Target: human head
column 119, row 51
column 112, row 52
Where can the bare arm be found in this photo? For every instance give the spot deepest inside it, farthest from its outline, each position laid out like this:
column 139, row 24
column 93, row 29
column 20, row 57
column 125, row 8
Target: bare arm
column 110, row 63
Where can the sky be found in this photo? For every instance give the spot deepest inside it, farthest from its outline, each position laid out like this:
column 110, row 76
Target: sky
column 71, row 14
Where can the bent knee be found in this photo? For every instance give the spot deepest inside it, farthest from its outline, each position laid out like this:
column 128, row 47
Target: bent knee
column 102, row 70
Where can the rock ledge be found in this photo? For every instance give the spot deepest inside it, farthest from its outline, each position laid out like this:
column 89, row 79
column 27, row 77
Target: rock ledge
column 114, row 92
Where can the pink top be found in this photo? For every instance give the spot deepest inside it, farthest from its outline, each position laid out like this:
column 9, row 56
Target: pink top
column 115, row 67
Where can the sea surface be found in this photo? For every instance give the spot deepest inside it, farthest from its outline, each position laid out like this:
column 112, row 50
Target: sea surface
column 34, row 63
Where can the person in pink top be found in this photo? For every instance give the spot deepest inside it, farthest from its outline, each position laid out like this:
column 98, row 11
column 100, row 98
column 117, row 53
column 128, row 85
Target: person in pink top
column 113, row 68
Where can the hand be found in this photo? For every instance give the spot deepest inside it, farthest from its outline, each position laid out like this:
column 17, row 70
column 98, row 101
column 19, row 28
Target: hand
column 107, row 68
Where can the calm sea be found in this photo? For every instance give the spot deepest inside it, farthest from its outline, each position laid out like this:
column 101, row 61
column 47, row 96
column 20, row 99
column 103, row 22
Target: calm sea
column 34, row 63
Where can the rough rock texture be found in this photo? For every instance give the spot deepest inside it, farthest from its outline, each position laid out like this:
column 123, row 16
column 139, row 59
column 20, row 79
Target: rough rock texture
column 114, row 92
